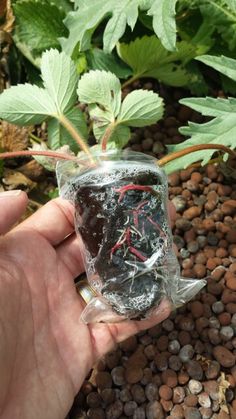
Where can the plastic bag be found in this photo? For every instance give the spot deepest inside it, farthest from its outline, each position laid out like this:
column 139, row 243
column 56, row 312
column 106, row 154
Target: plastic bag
column 121, row 214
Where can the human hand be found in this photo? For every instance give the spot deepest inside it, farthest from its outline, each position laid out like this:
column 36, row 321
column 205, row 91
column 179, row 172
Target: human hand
column 45, row 351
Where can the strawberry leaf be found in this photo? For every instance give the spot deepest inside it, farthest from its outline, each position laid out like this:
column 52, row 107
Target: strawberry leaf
column 148, row 58
column 141, row 108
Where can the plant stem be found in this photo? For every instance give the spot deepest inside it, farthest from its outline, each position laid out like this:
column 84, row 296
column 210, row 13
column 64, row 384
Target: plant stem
column 107, row 134
column 129, row 81
column 33, row 137
column 191, row 149
column 52, row 154
column 73, row 132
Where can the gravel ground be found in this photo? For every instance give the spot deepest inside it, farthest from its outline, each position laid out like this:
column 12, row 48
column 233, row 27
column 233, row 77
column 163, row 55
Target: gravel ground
column 186, row 366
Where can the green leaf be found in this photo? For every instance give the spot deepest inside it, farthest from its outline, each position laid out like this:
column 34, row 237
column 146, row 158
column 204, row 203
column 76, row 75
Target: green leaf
column 163, row 12
column 102, row 89
column 224, row 65
column 99, row 60
column 26, row 105
column 211, row 107
column 221, row 130
column 148, row 58
column 222, row 16
column 141, row 108
column 60, row 79
column 59, row 136
column 38, row 26
column 82, row 22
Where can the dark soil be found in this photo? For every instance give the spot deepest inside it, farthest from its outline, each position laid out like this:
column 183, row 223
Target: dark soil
column 123, row 223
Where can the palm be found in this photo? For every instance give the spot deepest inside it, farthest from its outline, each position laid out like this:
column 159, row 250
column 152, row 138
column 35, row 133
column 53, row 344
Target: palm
column 52, row 350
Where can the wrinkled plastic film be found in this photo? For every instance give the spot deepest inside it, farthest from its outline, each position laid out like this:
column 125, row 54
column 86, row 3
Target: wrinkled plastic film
column 122, row 217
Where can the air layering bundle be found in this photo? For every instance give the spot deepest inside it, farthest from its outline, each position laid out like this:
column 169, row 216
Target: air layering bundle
column 121, row 215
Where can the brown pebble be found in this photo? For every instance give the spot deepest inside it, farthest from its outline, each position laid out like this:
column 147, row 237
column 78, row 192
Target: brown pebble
column 208, row 224
column 224, row 319
column 154, row 410
column 161, row 361
column 214, row 287
column 199, row 270
column 114, row 410
column 133, row 375
column 174, row 179
column 165, row 392
column 213, row 370
column 211, row 171
column 183, row 377
column 229, row 207
column 231, row 281
column 224, row 190
column 224, row 356
column 150, row 352
column 184, row 337
column 177, row 412
column 211, row 264
column 191, row 400
column 192, row 212
column 196, row 309
column 228, row 296
column 129, row 345
column 94, row 399
column 231, row 308
column 103, row 379
column 108, row 395
column 218, row 273
column 166, row 404
column 186, row 173
column 162, row 343
column 232, row 251
column 137, row 359
column 196, row 177
column 211, row 387
column 97, row 413
column 231, row 236
column 178, row 395
column 169, row 378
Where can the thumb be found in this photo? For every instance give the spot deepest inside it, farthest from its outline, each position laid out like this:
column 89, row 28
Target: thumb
column 12, row 206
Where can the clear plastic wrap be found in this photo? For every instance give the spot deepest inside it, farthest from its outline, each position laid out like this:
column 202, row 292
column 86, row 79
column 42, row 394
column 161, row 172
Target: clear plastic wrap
column 122, row 217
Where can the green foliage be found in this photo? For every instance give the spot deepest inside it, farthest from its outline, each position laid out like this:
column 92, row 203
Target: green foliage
column 97, row 59
column 220, row 130
column 214, row 21
column 221, row 15
column 225, row 65
column 28, row 104
column 88, row 15
column 164, row 25
column 102, row 92
column 148, row 58
column 39, row 24
column 59, row 136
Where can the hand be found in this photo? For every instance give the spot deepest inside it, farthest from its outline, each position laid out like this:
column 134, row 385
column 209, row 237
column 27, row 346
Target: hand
column 45, row 351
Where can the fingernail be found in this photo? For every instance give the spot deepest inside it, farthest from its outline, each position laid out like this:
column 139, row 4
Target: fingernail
column 12, row 193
